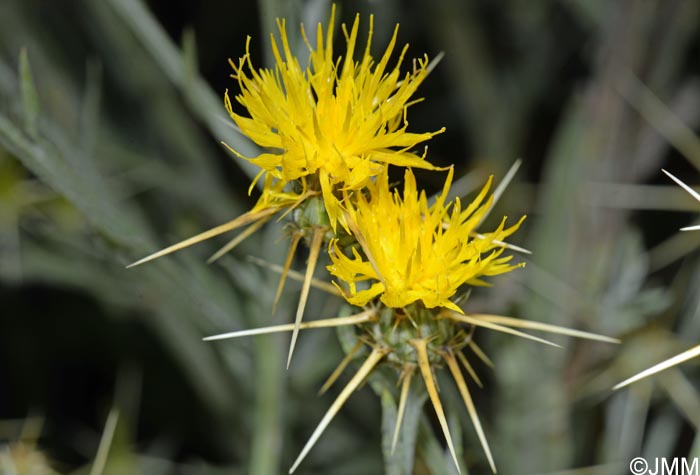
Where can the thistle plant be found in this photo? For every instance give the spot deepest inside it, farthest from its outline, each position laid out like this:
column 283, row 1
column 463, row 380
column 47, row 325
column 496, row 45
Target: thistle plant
column 331, row 131
column 331, row 127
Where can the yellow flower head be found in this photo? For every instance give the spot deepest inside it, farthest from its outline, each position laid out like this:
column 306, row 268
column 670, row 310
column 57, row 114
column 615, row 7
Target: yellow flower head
column 416, row 252
column 334, row 124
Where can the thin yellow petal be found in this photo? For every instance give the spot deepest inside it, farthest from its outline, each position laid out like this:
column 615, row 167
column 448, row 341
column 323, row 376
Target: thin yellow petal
column 363, row 244
column 510, row 174
column 307, row 117
column 416, row 250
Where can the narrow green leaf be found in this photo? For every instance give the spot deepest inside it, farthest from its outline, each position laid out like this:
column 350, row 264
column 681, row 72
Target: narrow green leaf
column 430, row 449
column 402, row 460
column 266, row 443
column 347, row 335
column 207, row 105
column 90, row 108
column 189, row 57
column 30, row 97
column 661, row 434
column 456, row 431
column 93, row 197
column 695, row 449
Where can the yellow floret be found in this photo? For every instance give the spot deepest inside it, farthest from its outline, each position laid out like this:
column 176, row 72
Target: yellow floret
column 338, row 122
column 416, row 252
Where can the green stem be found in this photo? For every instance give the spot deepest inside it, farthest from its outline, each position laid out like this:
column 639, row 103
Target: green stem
column 401, row 461
column 267, row 433
column 268, row 428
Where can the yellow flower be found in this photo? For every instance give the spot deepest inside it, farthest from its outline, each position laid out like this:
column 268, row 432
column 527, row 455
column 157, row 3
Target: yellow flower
column 334, row 124
column 413, row 253
column 416, row 252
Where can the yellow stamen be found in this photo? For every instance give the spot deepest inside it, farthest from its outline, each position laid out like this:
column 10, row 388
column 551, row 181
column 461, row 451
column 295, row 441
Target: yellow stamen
column 340, row 120
column 363, row 244
column 414, row 251
column 510, row 174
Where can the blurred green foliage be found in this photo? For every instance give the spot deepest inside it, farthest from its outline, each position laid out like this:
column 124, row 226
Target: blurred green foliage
column 111, row 115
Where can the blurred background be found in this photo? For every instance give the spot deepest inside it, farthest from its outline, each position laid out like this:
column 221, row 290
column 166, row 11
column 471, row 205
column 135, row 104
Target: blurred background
column 111, row 122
